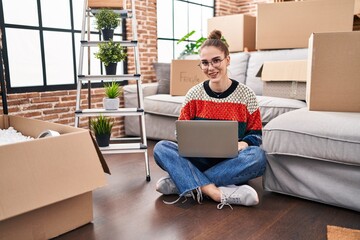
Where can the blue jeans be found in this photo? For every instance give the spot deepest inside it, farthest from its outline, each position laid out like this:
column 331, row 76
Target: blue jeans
column 191, row 173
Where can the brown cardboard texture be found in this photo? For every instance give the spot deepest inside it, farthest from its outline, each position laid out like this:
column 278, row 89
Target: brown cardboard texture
column 184, row 75
column 333, row 72
column 105, row 4
column 240, row 38
column 286, row 79
column 40, row 178
column 357, row 7
column 290, row 24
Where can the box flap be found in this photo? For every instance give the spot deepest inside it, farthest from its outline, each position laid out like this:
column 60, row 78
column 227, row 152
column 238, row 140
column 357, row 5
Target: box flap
column 295, row 70
column 43, row 171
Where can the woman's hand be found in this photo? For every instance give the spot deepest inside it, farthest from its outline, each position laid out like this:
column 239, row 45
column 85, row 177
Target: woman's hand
column 242, row 146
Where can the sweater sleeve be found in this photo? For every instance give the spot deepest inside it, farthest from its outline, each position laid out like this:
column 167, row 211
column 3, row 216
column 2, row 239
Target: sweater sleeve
column 253, row 133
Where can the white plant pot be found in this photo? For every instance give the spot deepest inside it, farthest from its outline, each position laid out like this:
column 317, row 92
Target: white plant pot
column 111, row 103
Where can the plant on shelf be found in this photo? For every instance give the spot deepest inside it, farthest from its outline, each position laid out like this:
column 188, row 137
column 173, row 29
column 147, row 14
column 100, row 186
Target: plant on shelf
column 111, row 100
column 106, row 21
column 110, row 53
column 102, row 127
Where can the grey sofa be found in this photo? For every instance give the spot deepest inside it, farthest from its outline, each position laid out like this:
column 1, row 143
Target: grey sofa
column 314, row 155
column 162, row 109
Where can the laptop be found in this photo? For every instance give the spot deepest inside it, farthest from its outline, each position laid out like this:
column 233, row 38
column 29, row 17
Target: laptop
column 207, row 138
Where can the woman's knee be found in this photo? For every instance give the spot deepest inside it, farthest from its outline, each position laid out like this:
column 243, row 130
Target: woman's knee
column 258, row 156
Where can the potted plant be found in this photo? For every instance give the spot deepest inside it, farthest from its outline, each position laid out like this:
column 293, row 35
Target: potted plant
column 102, row 129
column 106, row 21
column 110, row 53
column 111, row 100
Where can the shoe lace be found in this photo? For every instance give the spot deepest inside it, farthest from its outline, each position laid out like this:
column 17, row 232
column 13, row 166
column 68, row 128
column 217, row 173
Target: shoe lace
column 223, row 203
column 196, row 195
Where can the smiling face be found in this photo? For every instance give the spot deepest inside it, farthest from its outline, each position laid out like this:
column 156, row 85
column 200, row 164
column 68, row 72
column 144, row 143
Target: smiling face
column 214, row 63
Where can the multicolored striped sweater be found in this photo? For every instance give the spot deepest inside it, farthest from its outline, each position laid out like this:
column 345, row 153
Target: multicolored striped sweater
column 237, row 103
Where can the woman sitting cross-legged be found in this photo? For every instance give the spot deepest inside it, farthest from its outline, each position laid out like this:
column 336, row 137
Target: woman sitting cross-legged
column 219, row 98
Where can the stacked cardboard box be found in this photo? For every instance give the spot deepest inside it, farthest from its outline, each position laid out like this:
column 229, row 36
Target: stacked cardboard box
column 239, row 31
column 290, row 24
column 334, row 72
column 46, row 184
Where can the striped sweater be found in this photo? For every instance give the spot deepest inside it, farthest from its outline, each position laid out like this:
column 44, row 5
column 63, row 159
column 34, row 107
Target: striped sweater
column 237, row 103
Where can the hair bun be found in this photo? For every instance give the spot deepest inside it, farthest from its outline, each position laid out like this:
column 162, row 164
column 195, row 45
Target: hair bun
column 215, row 34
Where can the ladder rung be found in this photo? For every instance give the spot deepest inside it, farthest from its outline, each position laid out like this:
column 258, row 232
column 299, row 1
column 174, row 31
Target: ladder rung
column 109, row 77
column 124, row 13
column 131, row 43
column 119, row 112
column 124, row 148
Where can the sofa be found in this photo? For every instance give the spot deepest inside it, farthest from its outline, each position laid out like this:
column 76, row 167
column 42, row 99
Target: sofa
column 162, row 109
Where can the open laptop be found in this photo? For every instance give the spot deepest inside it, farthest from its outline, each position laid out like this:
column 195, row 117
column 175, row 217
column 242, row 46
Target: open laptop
column 207, row 138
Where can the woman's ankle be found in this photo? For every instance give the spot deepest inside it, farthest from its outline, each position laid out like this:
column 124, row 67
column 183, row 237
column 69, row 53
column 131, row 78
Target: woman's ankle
column 212, row 191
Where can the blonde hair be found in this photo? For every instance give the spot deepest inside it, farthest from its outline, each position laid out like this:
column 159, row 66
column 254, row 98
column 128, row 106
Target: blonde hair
column 215, row 39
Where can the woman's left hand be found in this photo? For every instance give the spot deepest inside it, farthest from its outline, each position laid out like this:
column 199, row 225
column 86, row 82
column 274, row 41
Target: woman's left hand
column 242, row 146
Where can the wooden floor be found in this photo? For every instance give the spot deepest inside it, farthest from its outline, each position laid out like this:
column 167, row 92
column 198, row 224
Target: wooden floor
column 130, row 208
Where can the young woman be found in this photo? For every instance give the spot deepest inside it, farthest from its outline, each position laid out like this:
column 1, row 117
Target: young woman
column 219, row 98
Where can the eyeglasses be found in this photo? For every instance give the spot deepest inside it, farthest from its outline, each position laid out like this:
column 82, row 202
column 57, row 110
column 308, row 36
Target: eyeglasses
column 214, row 62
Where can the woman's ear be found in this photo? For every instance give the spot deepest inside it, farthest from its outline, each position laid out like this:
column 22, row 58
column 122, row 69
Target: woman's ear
column 228, row 60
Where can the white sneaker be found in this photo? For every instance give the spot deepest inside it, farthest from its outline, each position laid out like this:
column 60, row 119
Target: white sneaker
column 242, row 195
column 166, row 186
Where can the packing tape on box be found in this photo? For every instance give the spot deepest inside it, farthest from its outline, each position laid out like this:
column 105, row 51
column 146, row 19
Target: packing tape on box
column 48, row 133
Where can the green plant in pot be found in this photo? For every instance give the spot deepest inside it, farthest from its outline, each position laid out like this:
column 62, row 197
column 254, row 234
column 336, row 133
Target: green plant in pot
column 110, row 53
column 111, row 100
column 102, row 127
column 106, row 21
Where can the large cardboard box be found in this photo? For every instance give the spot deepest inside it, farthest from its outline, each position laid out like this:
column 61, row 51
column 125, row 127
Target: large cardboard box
column 333, row 81
column 46, row 184
column 239, row 31
column 289, row 24
column 117, row 4
column 286, row 79
column 184, row 74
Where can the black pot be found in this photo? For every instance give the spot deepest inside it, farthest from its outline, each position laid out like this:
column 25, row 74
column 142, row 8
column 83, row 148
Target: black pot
column 111, row 69
column 107, row 33
column 103, row 140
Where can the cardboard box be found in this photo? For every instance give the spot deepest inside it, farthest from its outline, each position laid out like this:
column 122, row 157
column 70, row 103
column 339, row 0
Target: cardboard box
column 46, row 184
column 334, row 72
column 184, row 74
column 239, row 31
column 117, row 4
column 357, row 7
column 289, row 24
column 286, row 79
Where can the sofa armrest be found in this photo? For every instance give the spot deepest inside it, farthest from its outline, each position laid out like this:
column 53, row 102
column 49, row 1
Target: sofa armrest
column 130, row 93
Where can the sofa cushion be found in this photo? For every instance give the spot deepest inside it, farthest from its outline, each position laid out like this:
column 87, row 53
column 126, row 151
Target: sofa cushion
column 326, row 136
column 162, row 71
column 271, row 107
column 164, row 104
column 238, row 66
column 259, row 57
